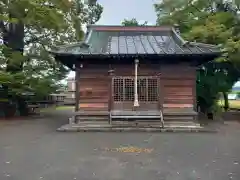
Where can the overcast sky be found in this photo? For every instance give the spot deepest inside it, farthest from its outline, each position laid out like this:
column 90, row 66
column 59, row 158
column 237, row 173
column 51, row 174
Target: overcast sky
column 114, row 11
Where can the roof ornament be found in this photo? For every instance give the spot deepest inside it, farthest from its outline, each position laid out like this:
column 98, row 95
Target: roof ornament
column 177, row 28
column 186, row 43
column 84, row 45
column 90, row 2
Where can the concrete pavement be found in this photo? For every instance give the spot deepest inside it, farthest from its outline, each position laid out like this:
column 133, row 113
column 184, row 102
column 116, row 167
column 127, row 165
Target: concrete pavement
column 33, row 150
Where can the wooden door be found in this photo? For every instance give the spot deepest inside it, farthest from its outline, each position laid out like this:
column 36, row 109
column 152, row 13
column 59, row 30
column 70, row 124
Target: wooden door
column 123, row 92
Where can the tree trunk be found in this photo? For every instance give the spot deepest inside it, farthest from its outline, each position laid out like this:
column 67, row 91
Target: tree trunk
column 13, row 39
column 5, row 101
column 22, row 106
column 226, row 102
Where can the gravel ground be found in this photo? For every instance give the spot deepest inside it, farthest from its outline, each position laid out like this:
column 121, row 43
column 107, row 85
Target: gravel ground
column 33, row 150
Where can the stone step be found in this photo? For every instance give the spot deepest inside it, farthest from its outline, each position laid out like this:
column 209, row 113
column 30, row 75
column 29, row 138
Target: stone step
column 104, row 126
column 74, row 128
column 142, row 124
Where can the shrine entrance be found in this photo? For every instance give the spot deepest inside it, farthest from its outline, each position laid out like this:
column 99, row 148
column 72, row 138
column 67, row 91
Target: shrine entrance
column 123, row 93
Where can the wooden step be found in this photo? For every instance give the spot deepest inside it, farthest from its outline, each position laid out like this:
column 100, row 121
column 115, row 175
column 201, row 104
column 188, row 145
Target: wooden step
column 92, row 113
column 91, row 118
column 179, row 114
column 85, row 116
column 93, row 106
column 137, row 123
column 94, row 100
column 93, row 109
column 176, row 124
column 178, row 118
column 93, row 122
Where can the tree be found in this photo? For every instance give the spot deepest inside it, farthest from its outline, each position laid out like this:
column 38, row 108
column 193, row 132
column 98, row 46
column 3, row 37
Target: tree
column 29, row 28
column 132, row 22
column 214, row 22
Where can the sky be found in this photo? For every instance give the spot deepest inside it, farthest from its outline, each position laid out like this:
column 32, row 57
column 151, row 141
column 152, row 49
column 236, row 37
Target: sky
column 115, row 11
column 237, row 84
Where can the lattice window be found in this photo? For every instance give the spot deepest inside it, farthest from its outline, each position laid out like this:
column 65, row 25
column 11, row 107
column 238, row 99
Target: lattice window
column 128, row 89
column 123, row 89
column 142, row 89
column 118, row 87
column 152, row 93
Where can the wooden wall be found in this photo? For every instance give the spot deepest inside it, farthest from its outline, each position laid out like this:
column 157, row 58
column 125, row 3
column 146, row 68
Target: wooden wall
column 177, row 84
column 94, row 87
column 129, row 70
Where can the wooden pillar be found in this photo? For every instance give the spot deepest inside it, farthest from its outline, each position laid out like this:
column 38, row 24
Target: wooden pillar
column 194, row 93
column 160, row 92
column 77, row 85
column 110, row 99
column 77, row 90
column 161, row 88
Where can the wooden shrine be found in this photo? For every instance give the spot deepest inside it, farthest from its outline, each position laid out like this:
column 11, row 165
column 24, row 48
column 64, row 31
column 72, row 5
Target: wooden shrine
column 134, row 73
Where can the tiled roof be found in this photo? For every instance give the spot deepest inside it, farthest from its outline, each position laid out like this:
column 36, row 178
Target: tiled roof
column 120, row 40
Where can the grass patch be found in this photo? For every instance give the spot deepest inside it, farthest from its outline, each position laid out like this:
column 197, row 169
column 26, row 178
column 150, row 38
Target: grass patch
column 64, row 107
column 232, row 104
column 56, row 108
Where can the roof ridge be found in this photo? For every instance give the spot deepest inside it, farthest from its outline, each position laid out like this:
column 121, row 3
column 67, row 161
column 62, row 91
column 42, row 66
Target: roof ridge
column 72, row 45
column 184, row 42
column 80, row 43
column 178, row 36
column 98, row 25
column 127, row 28
column 203, row 44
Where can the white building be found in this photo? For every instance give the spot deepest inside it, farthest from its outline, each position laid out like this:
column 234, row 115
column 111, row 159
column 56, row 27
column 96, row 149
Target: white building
column 70, row 93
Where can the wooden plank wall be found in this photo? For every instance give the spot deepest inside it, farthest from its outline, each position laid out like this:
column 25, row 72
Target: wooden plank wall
column 178, row 86
column 94, row 84
column 94, row 87
column 143, row 70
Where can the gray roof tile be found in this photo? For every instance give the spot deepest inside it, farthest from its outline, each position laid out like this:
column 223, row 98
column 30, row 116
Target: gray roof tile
column 119, row 40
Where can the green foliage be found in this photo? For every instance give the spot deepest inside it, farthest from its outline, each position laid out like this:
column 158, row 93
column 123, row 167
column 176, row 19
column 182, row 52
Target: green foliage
column 214, row 78
column 29, row 28
column 214, row 22
column 133, row 22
